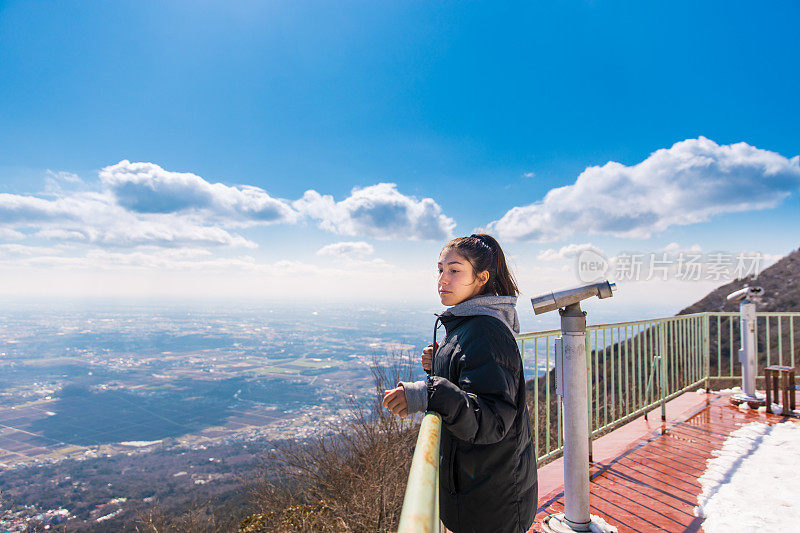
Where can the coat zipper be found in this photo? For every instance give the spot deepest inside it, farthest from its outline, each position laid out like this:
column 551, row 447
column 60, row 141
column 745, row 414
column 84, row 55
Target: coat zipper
column 452, row 469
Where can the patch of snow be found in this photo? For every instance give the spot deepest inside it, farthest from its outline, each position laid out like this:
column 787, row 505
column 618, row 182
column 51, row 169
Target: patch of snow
column 109, row 516
column 179, row 474
column 599, row 525
column 721, row 391
column 757, row 464
column 732, row 389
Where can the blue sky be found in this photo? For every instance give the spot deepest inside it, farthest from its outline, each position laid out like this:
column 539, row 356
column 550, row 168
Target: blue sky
column 480, row 107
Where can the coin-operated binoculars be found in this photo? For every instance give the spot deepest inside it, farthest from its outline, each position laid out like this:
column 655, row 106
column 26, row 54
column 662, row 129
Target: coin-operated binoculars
column 748, row 355
column 571, row 385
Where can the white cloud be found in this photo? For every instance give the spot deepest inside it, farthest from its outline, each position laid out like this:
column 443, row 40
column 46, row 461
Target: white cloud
column 94, row 218
column 566, row 252
column 169, row 232
column 7, row 234
column 688, row 183
column 57, row 181
column 175, row 260
column 103, row 260
column 347, row 249
column 141, row 229
column 62, row 235
column 97, row 217
column 148, row 188
column 529, row 175
column 154, row 273
column 674, row 248
column 378, row 211
column 353, row 255
column 142, row 204
column 67, row 177
column 27, row 210
column 17, row 250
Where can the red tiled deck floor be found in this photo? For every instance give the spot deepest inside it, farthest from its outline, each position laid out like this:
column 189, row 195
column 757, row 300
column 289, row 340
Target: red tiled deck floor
column 651, row 484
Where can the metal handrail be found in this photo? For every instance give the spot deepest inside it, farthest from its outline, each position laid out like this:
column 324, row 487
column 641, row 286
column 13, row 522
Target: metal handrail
column 421, row 502
column 621, row 360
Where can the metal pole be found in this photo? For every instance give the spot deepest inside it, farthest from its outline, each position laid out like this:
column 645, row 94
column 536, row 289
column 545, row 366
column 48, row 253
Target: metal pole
column 576, row 423
column 662, row 371
column 707, row 348
column 572, row 386
column 747, row 353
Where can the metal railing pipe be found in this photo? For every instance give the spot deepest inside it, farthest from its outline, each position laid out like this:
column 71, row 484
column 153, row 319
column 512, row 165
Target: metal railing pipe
column 420, row 512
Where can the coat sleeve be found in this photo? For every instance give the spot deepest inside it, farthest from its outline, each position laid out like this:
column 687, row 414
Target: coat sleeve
column 481, row 407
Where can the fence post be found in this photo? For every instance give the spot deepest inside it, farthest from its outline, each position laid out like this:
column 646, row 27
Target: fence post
column 662, row 349
column 589, row 389
column 707, row 347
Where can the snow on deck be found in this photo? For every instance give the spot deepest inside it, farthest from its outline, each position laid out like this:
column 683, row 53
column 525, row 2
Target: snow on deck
column 644, row 481
column 752, row 481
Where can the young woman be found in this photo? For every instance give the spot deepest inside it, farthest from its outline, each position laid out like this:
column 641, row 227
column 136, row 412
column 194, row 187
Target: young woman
column 487, row 473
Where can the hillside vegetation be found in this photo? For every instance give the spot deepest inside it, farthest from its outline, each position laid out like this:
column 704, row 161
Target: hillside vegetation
column 781, row 284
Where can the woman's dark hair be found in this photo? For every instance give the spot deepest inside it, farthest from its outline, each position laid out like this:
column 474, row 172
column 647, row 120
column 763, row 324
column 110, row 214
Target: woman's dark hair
column 484, row 253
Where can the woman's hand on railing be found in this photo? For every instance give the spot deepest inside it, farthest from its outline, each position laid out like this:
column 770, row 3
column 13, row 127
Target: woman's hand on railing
column 427, row 357
column 395, row 401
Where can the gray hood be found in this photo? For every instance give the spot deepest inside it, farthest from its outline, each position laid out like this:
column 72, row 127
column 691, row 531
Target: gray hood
column 501, row 307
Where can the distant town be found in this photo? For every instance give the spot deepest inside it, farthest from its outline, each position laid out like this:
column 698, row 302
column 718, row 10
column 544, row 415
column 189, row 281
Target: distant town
column 88, row 389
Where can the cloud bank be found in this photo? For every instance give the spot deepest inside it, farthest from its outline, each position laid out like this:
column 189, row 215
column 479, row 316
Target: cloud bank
column 566, row 252
column 690, row 182
column 148, row 188
column 346, row 249
column 142, row 204
column 378, row 211
column 95, row 218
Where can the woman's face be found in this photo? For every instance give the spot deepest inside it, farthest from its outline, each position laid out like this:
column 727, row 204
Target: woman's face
column 456, row 280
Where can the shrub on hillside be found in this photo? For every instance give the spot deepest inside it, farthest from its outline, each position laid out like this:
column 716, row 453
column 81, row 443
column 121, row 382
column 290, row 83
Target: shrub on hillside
column 349, row 479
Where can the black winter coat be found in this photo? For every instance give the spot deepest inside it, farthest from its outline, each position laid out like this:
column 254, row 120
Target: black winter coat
column 487, row 476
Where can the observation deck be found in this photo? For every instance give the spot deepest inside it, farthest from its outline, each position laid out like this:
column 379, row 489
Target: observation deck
column 650, row 431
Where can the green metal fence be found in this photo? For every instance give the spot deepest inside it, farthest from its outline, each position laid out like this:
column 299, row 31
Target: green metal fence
column 777, row 335
column 633, row 367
